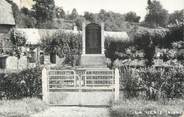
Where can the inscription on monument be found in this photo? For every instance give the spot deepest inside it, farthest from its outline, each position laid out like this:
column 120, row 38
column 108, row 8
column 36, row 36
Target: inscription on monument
column 93, row 39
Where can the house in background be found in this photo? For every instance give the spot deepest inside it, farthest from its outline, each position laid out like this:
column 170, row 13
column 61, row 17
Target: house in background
column 34, row 38
column 7, row 22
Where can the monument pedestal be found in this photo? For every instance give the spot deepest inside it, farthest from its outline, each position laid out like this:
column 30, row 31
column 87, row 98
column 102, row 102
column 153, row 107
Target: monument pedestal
column 93, row 46
column 93, row 60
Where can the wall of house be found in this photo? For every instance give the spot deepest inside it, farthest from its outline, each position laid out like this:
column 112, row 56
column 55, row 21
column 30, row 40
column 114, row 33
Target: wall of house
column 13, row 64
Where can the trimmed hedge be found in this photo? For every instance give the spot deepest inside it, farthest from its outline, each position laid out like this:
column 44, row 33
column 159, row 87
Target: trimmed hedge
column 26, row 83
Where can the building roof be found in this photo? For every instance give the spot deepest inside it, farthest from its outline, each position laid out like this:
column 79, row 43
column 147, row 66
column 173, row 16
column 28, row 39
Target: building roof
column 34, row 36
column 6, row 13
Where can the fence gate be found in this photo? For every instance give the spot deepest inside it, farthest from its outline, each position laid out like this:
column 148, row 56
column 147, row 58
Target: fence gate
column 80, row 87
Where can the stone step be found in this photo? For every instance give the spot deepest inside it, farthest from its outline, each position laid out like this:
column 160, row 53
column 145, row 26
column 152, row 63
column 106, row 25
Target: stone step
column 93, row 60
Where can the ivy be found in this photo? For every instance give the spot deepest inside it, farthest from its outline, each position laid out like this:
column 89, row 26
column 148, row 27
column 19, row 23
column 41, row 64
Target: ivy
column 18, row 40
column 63, row 44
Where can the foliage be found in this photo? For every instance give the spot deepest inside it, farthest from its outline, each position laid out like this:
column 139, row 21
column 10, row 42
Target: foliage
column 145, row 43
column 132, row 17
column 44, row 11
column 157, row 16
column 113, row 48
column 113, row 21
column 78, row 22
column 163, row 83
column 74, row 14
column 158, row 83
column 63, row 44
column 147, row 39
column 60, row 13
column 175, row 34
column 143, row 39
column 89, row 16
column 130, row 82
column 27, row 18
column 17, row 38
column 26, row 83
column 176, row 17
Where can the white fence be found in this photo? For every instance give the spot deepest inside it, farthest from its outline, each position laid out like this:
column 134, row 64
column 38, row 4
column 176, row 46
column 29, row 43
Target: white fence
column 77, row 81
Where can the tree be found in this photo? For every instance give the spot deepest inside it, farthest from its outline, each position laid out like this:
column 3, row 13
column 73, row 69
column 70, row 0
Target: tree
column 177, row 16
column 28, row 18
column 60, row 13
column 132, row 17
column 44, row 11
column 74, row 14
column 78, row 22
column 156, row 16
column 89, row 16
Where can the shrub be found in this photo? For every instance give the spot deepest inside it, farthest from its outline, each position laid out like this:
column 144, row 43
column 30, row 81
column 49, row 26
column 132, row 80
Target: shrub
column 130, row 82
column 24, row 84
column 163, row 83
column 63, row 44
column 115, row 48
column 158, row 83
column 17, row 38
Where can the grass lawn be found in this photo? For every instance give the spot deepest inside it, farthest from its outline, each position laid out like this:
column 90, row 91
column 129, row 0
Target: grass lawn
column 143, row 108
column 21, row 108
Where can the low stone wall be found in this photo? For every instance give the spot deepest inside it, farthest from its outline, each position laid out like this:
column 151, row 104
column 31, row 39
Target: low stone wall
column 13, row 63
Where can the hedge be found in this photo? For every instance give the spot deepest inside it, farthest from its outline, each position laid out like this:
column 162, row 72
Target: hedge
column 26, row 83
column 145, row 40
column 153, row 83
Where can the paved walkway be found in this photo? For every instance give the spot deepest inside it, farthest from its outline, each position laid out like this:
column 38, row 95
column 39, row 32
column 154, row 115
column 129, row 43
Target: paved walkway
column 74, row 112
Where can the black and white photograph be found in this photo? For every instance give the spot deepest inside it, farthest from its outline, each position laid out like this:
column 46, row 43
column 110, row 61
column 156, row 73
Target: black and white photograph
column 91, row 58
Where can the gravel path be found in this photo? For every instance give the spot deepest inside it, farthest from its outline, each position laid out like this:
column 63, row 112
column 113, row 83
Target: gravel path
column 74, row 112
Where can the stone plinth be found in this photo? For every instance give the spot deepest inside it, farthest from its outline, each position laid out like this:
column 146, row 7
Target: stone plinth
column 93, row 60
column 93, row 45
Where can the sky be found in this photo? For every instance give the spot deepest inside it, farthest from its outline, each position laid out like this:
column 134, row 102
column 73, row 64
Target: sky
column 120, row 6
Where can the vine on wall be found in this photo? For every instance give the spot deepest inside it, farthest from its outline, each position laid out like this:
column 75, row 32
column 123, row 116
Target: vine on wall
column 64, row 45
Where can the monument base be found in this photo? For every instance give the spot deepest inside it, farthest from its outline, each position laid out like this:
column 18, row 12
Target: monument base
column 93, row 60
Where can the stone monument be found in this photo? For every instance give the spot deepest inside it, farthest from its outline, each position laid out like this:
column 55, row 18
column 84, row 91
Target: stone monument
column 93, row 45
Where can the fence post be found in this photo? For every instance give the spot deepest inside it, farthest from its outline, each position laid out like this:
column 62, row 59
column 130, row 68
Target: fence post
column 44, row 85
column 117, row 76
